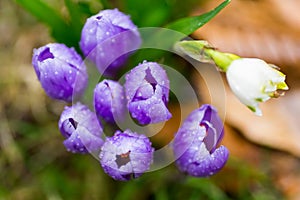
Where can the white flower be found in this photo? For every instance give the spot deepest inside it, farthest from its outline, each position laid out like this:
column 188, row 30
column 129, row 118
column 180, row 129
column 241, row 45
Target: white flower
column 253, row 80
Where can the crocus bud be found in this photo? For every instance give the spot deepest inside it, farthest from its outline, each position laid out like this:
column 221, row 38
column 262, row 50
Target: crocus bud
column 196, row 143
column 60, row 71
column 107, row 38
column 109, row 101
column 147, row 92
column 81, row 129
column 253, row 80
column 126, row 155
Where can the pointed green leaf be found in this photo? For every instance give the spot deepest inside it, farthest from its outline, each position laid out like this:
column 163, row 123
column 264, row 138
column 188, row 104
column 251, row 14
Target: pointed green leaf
column 190, row 24
column 165, row 38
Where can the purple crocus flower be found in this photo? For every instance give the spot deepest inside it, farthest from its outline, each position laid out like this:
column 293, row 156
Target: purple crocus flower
column 196, row 143
column 107, row 38
column 60, row 70
column 81, row 129
column 147, row 93
column 109, row 100
column 126, row 155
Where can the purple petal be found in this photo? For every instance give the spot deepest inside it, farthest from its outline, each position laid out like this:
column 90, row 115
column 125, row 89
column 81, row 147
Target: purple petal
column 137, row 77
column 126, row 155
column 147, row 93
column 151, row 110
column 195, row 143
column 207, row 166
column 109, row 101
column 83, row 142
column 81, row 129
column 211, row 116
column 60, row 71
column 107, row 38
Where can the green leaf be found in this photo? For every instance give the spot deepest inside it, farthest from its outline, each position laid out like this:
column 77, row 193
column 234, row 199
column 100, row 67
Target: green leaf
column 57, row 24
column 106, row 4
column 76, row 23
column 190, row 24
column 148, row 13
column 42, row 12
column 165, row 38
column 207, row 187
column 74, row 12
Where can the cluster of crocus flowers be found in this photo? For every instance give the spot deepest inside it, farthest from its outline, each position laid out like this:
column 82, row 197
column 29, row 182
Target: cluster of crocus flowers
column 252, row 80
column 144, row 95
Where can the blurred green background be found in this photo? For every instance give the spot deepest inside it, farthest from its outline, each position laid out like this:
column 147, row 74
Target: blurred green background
column 33, row 161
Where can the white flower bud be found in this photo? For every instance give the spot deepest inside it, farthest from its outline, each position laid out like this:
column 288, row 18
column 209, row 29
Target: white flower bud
column 253, row 80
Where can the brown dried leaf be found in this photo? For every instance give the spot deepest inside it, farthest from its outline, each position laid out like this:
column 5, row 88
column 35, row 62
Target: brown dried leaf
column 268, row 29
